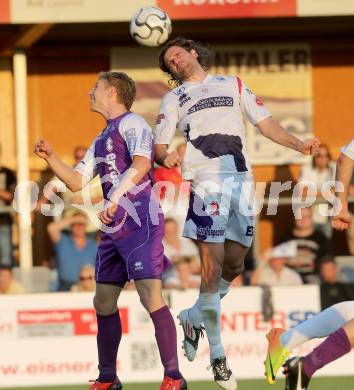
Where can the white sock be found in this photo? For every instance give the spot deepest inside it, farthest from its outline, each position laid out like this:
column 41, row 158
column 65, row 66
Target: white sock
column 321, row 325
column 210, row 304
column 224, row 287
column 195, row 314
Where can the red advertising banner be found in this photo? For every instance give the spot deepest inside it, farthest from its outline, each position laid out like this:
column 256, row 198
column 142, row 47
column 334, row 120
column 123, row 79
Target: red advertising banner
column 227, row 9
column 4, row 11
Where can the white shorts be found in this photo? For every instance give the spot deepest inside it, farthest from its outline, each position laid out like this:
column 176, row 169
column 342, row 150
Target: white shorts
column 221, row 209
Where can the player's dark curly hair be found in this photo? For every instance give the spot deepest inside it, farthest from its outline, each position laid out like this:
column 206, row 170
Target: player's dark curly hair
column 123, row 84
column 205, row 56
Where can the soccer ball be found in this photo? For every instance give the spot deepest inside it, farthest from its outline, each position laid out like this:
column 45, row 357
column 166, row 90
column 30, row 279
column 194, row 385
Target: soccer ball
column 150, row 26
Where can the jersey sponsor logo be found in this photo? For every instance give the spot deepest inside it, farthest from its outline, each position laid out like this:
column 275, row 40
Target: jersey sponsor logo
column 146, row 140
column 208, row 232
column 109, row 144
column 112, row 168
column 249, row 231
column 211, row 102
column 160, row 118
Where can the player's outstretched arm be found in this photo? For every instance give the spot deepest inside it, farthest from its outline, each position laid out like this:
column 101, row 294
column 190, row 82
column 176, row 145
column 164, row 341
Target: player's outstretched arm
column 275, row 132
column 73, row 179
column 344, row 171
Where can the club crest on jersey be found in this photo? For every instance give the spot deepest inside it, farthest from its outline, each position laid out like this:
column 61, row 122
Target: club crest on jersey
column 214, row 208
column 109, row 144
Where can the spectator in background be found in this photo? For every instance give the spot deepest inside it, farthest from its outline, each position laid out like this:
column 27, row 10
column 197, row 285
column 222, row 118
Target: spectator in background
column 86, row 279
column 332, row 290
column 7, row 188
column 320, row 171
column 184, row 256
column 271, row 269
column 70, row 198
column 72, row 250
column 311, row 245
column 8, row 284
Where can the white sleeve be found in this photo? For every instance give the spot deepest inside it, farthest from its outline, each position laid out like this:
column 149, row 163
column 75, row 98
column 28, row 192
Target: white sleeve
column 167, row 120
column 87, row 166
column 138, row 136
column 251, row 104
column 348, row 150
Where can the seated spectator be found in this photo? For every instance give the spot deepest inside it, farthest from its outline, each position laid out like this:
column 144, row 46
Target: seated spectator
column 272, row 270
column 320, row 171
column 72, row 250
column 8, row 284
column 7, row 188
column 183, row 254
column 332, row 290
column 311, row 246
column 86, row 279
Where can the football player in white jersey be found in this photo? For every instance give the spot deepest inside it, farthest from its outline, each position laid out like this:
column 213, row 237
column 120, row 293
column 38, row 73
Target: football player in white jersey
column 208, row 109
column 336, row 321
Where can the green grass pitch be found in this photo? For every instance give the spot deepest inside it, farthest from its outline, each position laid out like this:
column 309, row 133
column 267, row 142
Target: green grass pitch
column 331, row 383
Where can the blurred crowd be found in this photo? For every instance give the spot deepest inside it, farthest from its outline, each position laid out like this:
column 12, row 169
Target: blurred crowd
column 302, row 255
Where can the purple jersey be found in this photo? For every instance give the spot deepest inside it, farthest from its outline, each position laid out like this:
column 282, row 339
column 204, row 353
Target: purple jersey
column 134, row 251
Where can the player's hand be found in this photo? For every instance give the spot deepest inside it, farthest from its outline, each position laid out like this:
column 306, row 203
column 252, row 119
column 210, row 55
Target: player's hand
column 310, row 146
column 342, row 221
column 42, row 149
column 106, row 216
column 173, row 159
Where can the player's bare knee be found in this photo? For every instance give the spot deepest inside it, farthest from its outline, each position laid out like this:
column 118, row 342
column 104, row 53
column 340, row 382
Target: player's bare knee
column 104, row 307
column 233, row 270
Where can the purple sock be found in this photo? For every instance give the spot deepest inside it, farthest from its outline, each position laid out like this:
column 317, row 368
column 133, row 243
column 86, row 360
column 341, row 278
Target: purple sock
column 336, row 345
column 166, row 337
column 108, row 338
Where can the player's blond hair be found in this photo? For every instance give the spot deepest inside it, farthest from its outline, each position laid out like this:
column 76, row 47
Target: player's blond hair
column 123, row 84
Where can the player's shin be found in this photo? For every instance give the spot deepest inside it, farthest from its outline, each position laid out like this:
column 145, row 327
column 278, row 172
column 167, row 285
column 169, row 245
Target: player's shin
column 166, row 338
column 109, row 334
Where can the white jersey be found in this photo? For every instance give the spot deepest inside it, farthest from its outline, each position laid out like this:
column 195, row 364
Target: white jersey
column 210, row 115
column 348, row 150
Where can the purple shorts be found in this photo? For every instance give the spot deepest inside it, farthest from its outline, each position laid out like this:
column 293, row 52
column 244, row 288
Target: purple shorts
column 133, row 253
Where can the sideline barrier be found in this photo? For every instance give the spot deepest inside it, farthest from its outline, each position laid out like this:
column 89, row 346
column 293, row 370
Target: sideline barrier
column 49, row 339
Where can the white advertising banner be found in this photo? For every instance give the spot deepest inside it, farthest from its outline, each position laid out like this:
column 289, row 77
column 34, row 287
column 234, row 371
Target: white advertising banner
column 50, row 339
column 79, row 11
